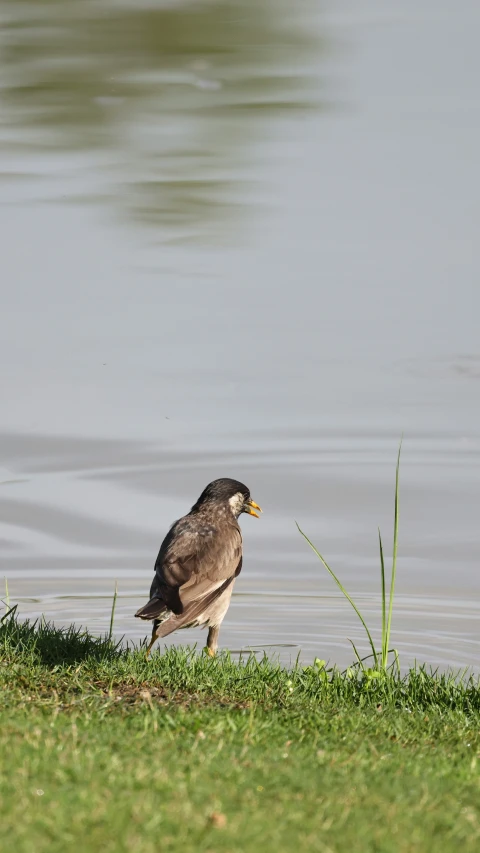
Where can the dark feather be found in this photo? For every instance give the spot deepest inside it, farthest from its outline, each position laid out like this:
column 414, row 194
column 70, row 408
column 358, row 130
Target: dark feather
column 152, row 610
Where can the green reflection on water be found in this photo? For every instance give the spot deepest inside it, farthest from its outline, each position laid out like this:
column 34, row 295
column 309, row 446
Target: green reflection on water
column 167, row 100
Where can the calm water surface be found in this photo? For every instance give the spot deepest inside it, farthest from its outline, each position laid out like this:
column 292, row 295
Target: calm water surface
column 239, row 239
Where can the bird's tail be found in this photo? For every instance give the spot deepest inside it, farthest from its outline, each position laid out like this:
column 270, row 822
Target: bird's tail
column 153, row 609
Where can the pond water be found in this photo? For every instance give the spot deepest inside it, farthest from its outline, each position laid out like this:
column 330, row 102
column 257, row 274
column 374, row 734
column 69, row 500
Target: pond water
column 241, row 239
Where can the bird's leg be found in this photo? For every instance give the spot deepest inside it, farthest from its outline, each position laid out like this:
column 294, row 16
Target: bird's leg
column 212, row 640
column 152, row 641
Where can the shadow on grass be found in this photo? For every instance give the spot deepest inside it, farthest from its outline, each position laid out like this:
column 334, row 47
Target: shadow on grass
column 45, row 643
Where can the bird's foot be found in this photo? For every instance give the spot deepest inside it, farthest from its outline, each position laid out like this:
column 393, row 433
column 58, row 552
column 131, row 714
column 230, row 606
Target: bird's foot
column 210, row 652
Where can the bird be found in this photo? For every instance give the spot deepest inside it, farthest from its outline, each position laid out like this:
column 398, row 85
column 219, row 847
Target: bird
column 198, row 562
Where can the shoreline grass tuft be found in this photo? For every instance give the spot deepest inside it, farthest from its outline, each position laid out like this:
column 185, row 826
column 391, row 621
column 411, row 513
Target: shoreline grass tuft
column 380, row 659
column 47, row 656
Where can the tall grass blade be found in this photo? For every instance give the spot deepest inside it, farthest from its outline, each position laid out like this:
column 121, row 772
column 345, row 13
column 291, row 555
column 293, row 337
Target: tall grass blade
column 112, row 615
column 7, row 594
column 395, row 546
column 342, row 588
column 384, row 604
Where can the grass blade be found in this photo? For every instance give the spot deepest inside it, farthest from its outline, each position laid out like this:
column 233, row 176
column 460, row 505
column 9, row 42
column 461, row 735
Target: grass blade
column 342, row 588
column 396, row 661
column 359, row 659
column 8, row 613
column 395, row 546
column 112, row 615
column 384, row 604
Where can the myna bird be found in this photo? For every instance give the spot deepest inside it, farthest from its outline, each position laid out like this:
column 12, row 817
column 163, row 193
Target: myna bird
column 198, row 562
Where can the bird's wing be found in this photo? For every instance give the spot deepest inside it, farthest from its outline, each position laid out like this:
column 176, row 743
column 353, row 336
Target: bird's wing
column 195, row 608
column 192, row 569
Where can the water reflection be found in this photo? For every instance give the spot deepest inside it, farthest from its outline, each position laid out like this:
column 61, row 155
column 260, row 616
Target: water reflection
column 168, row 101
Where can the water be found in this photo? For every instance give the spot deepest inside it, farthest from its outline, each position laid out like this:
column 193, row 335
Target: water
column 240, row 240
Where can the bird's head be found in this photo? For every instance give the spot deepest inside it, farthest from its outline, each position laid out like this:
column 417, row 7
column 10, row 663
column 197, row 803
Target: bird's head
column 231, row 494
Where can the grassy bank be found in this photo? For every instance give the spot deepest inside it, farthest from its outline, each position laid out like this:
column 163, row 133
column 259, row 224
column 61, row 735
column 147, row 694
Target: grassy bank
column 102, row 750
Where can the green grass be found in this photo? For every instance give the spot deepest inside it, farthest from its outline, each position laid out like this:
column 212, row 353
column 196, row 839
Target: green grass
column 102, row 750
column 380, row 658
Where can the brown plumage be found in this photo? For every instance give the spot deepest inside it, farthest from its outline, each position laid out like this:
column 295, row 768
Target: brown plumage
column 198, row 562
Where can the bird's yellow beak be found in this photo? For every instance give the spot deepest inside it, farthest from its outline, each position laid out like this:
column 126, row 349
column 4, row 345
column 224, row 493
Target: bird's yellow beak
column 250, row 507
